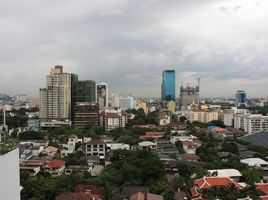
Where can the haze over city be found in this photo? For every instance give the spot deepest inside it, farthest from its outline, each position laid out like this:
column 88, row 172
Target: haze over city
column 128, row 43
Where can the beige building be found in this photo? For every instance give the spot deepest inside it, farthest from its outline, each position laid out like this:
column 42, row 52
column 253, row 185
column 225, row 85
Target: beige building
column 111, row 119
column 227, row 117
column 143, row 105
column 55, row 99
column 204, row 116
column 171, row 106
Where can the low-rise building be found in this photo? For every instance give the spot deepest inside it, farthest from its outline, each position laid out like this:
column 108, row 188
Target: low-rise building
column 111, row 119
column 147, row 145
column 204, row 116
column 112, row 146
column 234, row 174
column 95, row 148
column 256, row 162
column 55, row 167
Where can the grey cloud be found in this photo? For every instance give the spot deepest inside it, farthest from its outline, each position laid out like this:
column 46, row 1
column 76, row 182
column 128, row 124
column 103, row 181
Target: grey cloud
column 128, row 43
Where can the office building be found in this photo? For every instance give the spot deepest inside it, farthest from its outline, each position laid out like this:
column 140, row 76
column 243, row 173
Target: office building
column 168, row 86
column 55, row 99
column 240, row 98
column 84, row 91
column 102, row 95
column 86, row 113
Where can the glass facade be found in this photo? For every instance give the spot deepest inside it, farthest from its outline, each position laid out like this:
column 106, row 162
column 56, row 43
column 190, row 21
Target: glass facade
column 240, row 98
column 168, row 85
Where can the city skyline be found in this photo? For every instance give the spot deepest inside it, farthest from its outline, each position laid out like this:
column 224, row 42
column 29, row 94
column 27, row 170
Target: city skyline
column 127, row 44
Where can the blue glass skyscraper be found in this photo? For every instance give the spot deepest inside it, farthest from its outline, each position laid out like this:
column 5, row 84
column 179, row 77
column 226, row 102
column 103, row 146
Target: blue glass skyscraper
column 168, row 86
column 240, row 98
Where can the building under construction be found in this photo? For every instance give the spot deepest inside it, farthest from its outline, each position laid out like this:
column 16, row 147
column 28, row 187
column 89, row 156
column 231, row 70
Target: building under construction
column 189, row 95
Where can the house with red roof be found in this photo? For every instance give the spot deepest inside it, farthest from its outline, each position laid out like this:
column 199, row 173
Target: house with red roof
column 55, row 167
column 207, row 182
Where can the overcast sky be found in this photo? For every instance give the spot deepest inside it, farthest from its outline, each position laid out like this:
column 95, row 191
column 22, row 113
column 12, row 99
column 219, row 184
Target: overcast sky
column 127, row 43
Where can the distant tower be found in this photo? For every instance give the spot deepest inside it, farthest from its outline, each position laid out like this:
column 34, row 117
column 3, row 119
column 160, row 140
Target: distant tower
column 168, row 87
column 240, row 98
column 102, row 95
column 198, row 79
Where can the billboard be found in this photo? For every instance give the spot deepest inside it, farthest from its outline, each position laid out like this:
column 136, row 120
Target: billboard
column 102, row 95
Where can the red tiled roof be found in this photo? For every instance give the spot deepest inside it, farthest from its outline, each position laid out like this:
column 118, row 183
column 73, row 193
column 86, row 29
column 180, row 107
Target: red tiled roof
column 264, row 197
column 93, row 189
column 263, row 187
column 194, row 192
column 55, row 163
column 208, row 182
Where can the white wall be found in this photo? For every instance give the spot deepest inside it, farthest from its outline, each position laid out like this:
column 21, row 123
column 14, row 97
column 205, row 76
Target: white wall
column 10, row 176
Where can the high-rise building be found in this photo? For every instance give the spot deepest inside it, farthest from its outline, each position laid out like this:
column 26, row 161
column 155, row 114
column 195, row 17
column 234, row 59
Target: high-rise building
column 84, row 113
column 102, row 95
column 168, row 86
column 189, row 96
column 240, row 98
column 55, row 99
column 84, row 91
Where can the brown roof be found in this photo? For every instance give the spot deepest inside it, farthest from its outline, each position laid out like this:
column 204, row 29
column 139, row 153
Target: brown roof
column 74, row 196
column 95, row 142
column 153, row 133
column 137, row 196
column 151, row 196
column 91, row 189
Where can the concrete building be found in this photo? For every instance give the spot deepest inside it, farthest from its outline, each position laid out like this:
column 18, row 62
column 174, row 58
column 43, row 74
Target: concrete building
column 203, row 116
column 189, row 95
column 168, row 87
column 143, row 105
column 227, row 117
column 240, row 98
column 111, row 119
column 55, row 99
column 123, row 102
column 84, row 113
column 255, row 123
column 84, row 91
column 10, row 175
column 102, row 95
column 95, row 148
column 171, row 106
column 239, row 121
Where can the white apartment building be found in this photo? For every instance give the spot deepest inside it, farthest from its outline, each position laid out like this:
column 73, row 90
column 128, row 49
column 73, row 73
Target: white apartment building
column 239, row 121
column 10, row 175
column 55, row 99
column 123, row 102
column 111, row 119
column 204, row 116
column 255, row 123
column 95, row 148
column 227, row 117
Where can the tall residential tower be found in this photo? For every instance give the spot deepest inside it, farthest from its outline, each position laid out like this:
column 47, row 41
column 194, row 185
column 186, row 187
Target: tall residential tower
column 55, row 99
column 168, row 86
